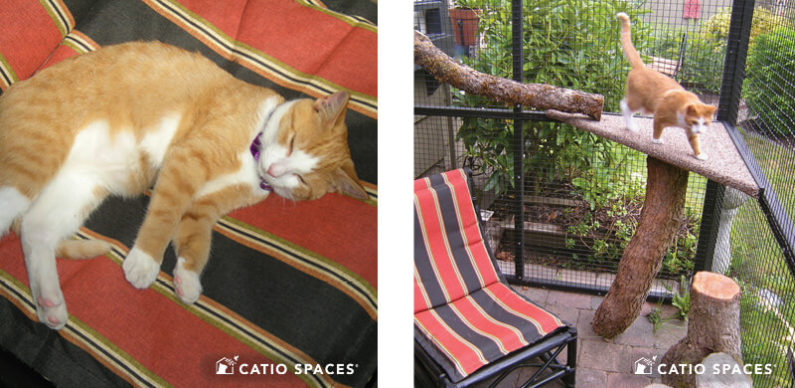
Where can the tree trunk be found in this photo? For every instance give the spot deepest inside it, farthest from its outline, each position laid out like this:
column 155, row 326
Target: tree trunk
column 537, row 96
column 659, row 221
column 714, row 326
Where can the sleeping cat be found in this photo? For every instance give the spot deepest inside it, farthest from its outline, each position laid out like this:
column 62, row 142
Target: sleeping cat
column 115, row 121
column 653, row 92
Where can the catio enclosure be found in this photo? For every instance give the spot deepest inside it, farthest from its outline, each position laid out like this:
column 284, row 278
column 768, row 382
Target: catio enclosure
column 560, row 204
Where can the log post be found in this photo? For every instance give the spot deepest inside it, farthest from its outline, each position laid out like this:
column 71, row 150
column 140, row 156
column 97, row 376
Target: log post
column 503, row 90
column 713, row 326
column 659, row 221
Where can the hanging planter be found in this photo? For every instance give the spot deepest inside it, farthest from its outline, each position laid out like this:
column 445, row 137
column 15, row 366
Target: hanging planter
column 465, row 25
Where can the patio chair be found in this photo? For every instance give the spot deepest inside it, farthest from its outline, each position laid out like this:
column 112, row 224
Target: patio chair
column 469, row 325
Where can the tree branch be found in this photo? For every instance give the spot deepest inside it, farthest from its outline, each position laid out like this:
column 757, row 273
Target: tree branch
column 538, row 96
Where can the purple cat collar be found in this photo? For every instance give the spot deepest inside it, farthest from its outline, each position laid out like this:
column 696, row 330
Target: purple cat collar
column 255, row 150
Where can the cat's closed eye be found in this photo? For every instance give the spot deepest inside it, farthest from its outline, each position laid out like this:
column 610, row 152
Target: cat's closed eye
column 292, row 144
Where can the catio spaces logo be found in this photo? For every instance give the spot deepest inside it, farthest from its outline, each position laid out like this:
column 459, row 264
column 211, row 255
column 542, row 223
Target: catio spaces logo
column 644, row 366
column 226, row 366
column 235, row 366
column 718, row 366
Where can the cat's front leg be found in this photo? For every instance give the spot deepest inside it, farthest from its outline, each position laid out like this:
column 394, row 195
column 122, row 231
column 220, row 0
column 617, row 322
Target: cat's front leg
column 194, row 235
column 192, row 243
column 171, row 197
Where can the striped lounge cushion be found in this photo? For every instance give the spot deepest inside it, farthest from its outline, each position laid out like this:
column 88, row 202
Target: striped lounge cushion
column 460, row 304
column 290, row 285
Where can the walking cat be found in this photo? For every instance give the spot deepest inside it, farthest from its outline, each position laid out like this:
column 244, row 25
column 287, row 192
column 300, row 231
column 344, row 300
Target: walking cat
column 117, row 120
column 653, row 92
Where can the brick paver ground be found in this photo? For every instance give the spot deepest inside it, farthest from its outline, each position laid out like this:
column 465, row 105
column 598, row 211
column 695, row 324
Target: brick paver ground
column 602, row 363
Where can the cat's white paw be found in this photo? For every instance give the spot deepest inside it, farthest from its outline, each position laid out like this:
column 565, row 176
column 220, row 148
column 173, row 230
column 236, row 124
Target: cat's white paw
column 187, row 283
column 140, row 269
column 50, row 308
column 657, row 141
column 701, row 156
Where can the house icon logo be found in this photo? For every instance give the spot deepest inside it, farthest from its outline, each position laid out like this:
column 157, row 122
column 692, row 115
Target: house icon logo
column 226, row 366
column 644, row 366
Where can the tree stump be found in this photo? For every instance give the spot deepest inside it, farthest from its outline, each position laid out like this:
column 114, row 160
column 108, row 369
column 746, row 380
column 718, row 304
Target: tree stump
column 538, row 96
column 659, row 221
column 714, row 326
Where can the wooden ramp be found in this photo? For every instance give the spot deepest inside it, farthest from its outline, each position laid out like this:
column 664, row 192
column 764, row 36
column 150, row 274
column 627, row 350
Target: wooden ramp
column 724, row 164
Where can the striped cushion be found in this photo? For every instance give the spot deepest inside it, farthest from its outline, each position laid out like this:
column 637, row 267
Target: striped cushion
column 460, row 306
column 273, row 290
column 452, row 260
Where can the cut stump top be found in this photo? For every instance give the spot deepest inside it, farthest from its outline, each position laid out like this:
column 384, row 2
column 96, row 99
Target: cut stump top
column 724, row 164
column 715, row 285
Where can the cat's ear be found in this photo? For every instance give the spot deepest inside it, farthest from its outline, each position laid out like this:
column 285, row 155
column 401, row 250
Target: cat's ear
column 690, row 110
column 345, row 181
column 331, row 108
column 711, row 110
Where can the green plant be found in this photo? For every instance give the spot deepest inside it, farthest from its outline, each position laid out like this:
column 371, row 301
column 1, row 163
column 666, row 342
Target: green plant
column 656, row 319
column 703, row 64
column 681, row 299
column 563, row 45
column 703, row 56
column 768, row 88
column 764, row 21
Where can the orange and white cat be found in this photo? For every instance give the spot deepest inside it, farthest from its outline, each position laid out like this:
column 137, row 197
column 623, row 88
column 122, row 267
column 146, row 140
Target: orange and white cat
column 115, row 121
column 653, row 92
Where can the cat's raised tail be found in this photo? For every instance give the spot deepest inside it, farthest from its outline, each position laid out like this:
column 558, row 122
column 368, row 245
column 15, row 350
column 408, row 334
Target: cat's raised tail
column 626, row 41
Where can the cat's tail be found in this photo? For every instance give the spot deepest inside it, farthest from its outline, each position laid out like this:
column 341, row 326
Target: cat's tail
column 82, row 249
column 626, row 41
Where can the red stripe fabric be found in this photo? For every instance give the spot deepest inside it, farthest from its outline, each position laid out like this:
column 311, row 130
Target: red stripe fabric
column 546, row 320
column 329, row 47
column 225, row 15
column 112, row 307
column 23, row 47
column 477, row 318
column 446, row 269
column 420, row 304
column 469, row 224
column 355, row 222
column 61, row 52
column 463, row 355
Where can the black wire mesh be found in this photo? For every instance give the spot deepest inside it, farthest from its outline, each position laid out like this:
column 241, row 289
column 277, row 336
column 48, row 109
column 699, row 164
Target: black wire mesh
column 762, row 234
column 582, row 195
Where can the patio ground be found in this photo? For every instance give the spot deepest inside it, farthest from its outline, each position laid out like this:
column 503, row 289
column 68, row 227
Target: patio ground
column 602, row 363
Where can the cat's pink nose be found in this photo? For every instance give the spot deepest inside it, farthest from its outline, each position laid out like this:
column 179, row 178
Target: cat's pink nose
column 275, row 170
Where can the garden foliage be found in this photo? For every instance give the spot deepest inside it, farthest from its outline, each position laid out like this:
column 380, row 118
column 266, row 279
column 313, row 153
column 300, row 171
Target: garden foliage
column 768, row 88
column 573, row 44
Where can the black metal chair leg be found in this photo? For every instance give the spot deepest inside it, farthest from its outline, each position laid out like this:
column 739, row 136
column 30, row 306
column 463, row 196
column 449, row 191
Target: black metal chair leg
column 571, row 359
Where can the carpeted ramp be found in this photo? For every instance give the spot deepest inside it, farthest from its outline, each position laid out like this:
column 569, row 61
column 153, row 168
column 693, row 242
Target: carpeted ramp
column 724, row 164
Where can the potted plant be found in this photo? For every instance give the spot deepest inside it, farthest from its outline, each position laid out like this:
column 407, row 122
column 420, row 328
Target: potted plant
column 464, row 19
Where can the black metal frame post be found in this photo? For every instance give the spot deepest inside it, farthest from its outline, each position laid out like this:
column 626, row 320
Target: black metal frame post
column 710, row 222
column 728, row 107
column 518, row 141
column 734, row 64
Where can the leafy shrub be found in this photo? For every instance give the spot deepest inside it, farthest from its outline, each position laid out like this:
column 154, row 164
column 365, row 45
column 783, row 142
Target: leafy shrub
column 575, row 45
column 768, row 88
column 703, row 65
column 703, row 57
column 764, row 21
column 565, row 44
